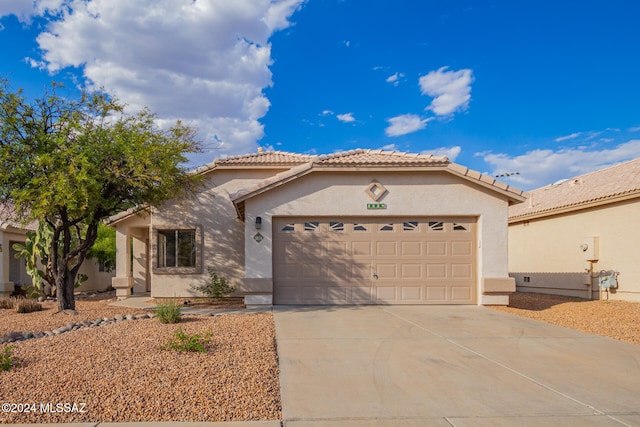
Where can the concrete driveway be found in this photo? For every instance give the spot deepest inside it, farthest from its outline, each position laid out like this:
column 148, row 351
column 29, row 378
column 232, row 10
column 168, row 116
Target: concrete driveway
column 449, row 366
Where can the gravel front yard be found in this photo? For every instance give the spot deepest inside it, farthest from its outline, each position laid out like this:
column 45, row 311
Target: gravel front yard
column 118, row 373
column 613, row 319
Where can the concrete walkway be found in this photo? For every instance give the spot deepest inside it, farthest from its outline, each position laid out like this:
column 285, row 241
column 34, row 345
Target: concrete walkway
column 449, row 366
column 140, row 301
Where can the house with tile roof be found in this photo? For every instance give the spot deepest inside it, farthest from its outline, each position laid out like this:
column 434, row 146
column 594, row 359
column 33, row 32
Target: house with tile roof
column 356, row 227
column 580, row 237
column 13, row 271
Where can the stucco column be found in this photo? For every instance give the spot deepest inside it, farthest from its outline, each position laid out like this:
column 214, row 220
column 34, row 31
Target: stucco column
column 123, row 282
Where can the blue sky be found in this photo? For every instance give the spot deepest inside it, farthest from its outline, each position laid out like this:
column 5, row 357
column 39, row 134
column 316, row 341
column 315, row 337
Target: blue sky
column 548, row 89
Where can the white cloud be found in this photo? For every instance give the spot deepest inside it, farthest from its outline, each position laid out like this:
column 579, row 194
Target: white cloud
column 205, row 62
column 394, row 79
column 24, row 10
column 451, row 90
column 404, row 124
column 389, row 147
column 568, row 137
column 326, row 113
column 542, row 167
column 346, row 118
column 450, row 152
column 634, row 129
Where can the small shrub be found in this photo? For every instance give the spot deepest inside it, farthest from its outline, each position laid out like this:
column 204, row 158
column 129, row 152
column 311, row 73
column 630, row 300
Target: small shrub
column 169, row 312
column 7, row 359
column 7, row 302
column 184, row 342
column 216, row 287
column 26, row 305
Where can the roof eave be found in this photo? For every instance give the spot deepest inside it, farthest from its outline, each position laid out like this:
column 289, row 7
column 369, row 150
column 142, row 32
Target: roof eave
column 575, row 207
column 240, row 197
column 514, row 194
column 122, row 216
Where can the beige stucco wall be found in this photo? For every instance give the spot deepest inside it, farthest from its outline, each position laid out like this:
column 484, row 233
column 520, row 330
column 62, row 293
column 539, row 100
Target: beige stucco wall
column 552, row 245
column 98, row 280
column 409, row 194
column 222, row 239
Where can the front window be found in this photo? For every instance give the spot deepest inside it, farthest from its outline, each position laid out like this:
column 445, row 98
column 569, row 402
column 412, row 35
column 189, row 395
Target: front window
column 176, row 248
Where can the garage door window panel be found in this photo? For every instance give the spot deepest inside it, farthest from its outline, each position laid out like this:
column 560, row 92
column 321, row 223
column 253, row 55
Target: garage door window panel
column 436, row 226
column 336, row 226
column 411, row 226
column 360, row 227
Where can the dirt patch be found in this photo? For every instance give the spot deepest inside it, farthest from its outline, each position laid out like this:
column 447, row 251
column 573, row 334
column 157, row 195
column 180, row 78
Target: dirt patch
column 613, row 319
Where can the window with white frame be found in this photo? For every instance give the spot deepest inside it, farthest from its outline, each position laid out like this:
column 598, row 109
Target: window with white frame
column 176, row 248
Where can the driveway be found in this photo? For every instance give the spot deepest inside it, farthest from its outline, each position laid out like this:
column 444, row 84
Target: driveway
column 449, row 366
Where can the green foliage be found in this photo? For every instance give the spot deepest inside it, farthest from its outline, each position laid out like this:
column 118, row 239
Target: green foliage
column 73, row 162
column 27, row 305
column 184, row 342
column 7, row 359
column 169, row 313
column 104, row 248
column 216, row 287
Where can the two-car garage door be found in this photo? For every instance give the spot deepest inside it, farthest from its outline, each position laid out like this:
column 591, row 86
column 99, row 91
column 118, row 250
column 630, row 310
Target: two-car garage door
column 374, row 260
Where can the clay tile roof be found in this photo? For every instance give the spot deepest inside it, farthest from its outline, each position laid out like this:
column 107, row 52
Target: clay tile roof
column 8, row 219
column 600, row 187
column 379, row 157
column 265, row 158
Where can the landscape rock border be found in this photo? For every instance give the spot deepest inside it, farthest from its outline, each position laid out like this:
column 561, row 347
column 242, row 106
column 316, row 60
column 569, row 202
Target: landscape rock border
column 103, row 321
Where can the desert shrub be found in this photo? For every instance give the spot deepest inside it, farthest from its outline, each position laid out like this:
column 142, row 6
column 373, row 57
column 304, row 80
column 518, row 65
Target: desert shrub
column 216, row 286
column 7, row 359
column 27, row 305
column 7, row 302
column 169, row 312
column 184, row 342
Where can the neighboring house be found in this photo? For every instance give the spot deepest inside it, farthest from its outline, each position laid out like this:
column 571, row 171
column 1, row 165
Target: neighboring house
column 358, row 227
column 13, row 270
column 568, row 237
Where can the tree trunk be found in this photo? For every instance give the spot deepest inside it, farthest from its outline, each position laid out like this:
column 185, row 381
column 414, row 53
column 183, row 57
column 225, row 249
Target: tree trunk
column 64, row 290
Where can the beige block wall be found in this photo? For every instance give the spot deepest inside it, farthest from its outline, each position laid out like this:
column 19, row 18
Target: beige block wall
column 409, row 194
column 98, row 280
column 552, row 244
column 222, row 231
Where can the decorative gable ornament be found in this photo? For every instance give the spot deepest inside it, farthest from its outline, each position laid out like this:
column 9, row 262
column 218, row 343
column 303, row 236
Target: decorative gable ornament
column 375, row 190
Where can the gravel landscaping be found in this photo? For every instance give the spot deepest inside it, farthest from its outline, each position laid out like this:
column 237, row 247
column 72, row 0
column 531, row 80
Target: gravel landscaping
column 117, row 372
column 613, row 319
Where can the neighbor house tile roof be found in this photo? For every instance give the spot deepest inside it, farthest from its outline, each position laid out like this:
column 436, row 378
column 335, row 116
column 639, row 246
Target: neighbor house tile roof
column 8, row 219
column 608, row 185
